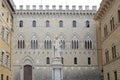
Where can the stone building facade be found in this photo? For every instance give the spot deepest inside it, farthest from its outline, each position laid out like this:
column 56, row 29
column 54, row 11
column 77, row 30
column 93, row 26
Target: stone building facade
column 108, row 38
column 34, row 34
column 6, row 38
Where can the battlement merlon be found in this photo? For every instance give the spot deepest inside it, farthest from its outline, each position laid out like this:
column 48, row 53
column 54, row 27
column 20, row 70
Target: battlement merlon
column 54, row 7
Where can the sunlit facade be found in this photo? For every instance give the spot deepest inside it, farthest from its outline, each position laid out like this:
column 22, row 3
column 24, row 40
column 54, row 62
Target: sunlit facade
column 108, row 38
column 6, row 38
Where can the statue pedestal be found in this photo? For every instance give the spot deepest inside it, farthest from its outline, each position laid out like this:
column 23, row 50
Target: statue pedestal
column 57, row 72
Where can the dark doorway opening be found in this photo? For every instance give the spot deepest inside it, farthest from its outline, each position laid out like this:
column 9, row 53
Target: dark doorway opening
column 27, row 72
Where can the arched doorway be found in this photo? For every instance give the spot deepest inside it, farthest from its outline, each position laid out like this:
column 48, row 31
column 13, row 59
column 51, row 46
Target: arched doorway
column 27, row 72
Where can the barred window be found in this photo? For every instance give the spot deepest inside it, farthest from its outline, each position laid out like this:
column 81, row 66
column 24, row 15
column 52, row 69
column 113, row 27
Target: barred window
column 89, row 60
column 21, row 43
column 88, row 44
column 105, row 31
column 60, row 23
column 107, row 56
column 47, row 44
column 47, row 23
column 47, row 60
column 75, row 60
column 34, row 23
column 87, row 24
column 114, row 54
column 75, row 44
column 20, row 23
column 34, row 44
column 74, row 23
column 112, row 24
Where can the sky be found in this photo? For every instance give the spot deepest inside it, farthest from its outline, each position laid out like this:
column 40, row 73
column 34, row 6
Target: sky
column 58, row 2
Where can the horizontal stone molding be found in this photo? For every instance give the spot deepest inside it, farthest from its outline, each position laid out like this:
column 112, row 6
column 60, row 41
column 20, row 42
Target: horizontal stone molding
column 53, row 12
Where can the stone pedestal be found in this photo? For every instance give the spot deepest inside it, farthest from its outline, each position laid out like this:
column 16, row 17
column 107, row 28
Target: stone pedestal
column 57, row 72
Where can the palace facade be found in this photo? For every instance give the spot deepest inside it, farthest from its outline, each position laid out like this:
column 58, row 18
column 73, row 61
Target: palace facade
column 34, row 34
column 108, row 39
column 6, row 39
column 90, row 41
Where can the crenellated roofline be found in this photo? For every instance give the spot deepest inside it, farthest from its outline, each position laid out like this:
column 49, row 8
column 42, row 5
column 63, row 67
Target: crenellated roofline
column 54, row 11
column 54, row 7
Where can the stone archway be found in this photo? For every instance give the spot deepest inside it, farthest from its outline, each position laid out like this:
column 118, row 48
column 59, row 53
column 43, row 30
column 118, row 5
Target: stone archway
column 27, row 72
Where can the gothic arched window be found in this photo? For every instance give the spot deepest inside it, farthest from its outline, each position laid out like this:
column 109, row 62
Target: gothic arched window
column 21, row 42
column 75, row 43
column 34, row 43
column 48, row 43
column 88, row 44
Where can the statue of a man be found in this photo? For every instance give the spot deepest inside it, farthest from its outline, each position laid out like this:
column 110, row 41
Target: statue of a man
column 57, row 47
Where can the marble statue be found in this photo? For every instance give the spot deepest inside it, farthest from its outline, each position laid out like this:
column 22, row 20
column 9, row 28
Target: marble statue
column 57, row 47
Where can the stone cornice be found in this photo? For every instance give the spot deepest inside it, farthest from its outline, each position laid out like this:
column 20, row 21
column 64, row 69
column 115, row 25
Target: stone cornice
column 104, row 6
column 10, row 5
column 55, row 12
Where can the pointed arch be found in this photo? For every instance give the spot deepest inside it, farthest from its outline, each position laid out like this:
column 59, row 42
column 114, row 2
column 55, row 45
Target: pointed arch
column 27, row 60
column 88, row 43
column 75, row 43
column 28, row 65
column 48, row 43
column 20, row 42
column 34, row 42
